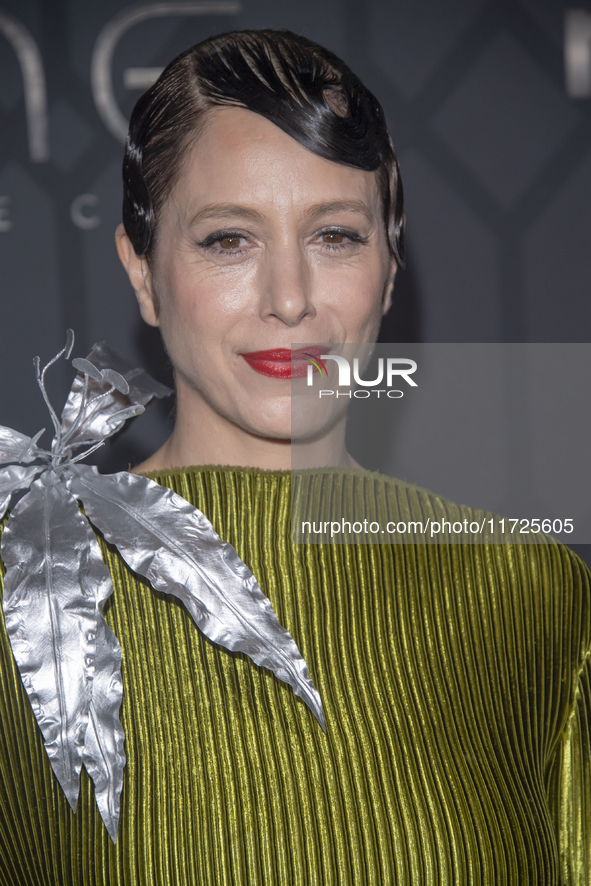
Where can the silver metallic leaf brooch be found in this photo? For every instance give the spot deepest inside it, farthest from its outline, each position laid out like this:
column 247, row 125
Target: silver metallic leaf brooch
column 56, row 582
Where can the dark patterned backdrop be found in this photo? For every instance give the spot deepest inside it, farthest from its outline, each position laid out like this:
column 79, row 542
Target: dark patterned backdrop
column 494, row 142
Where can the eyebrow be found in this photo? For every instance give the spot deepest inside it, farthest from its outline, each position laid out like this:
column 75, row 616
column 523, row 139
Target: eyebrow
column 339, row 206
column 226, row 210
column 237, row 210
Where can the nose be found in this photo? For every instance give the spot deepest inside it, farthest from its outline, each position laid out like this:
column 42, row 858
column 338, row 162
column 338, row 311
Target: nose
column 286, row 286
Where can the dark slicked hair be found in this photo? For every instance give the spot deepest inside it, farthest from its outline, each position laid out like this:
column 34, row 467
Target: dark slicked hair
column 302, row 88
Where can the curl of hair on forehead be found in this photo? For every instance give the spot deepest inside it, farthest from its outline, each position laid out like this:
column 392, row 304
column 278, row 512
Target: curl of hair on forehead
column 302, row 88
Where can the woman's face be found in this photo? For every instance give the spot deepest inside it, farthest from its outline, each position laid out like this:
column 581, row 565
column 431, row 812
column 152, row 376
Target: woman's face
column 262, row 244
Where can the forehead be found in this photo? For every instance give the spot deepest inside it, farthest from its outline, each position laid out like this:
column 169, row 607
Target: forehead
column 240, row 156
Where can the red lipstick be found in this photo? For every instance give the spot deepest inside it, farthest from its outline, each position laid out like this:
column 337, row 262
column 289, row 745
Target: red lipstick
column 283, row 362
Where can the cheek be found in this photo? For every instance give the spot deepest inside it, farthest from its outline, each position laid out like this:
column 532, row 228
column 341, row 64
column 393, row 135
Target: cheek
column 184, row 302
column 201, row 297
column 183, row 322
column 356, row 295
column 199, row 314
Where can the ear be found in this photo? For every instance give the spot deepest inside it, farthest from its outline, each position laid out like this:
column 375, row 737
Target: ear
column 389, row 286
column 139, row 275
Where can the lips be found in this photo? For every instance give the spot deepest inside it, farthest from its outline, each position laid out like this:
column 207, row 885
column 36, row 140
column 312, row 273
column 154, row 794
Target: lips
column 283, row 362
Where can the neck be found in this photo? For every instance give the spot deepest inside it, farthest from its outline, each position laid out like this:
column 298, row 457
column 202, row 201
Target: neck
column 203, row 437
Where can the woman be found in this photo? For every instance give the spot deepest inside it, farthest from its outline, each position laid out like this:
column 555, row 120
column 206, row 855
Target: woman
column 263, row 207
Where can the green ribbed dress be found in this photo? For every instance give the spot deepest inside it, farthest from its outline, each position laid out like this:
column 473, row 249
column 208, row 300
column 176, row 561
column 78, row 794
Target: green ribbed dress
column 456, row 686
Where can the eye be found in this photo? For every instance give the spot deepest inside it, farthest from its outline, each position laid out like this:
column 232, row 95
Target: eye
column 229, row 241
column 339, row 239
column 224, row 243
column 334, row 237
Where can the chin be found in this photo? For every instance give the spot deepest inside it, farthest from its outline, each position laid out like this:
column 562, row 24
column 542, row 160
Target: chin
column 268, row 419
column 270, row 430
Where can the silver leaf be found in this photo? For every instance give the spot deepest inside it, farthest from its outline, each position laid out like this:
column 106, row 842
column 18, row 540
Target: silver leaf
column 116, row 379
column 12, row 446
column 13, row 478
column 130, row 412
column 172, row 544
column 87, row 368
column 51, row 617
column 103, row 756
column 96, row 425
column 142, row 387
column 69, row 343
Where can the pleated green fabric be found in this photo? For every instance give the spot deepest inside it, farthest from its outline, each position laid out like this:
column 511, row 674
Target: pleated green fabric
column 456, row 684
